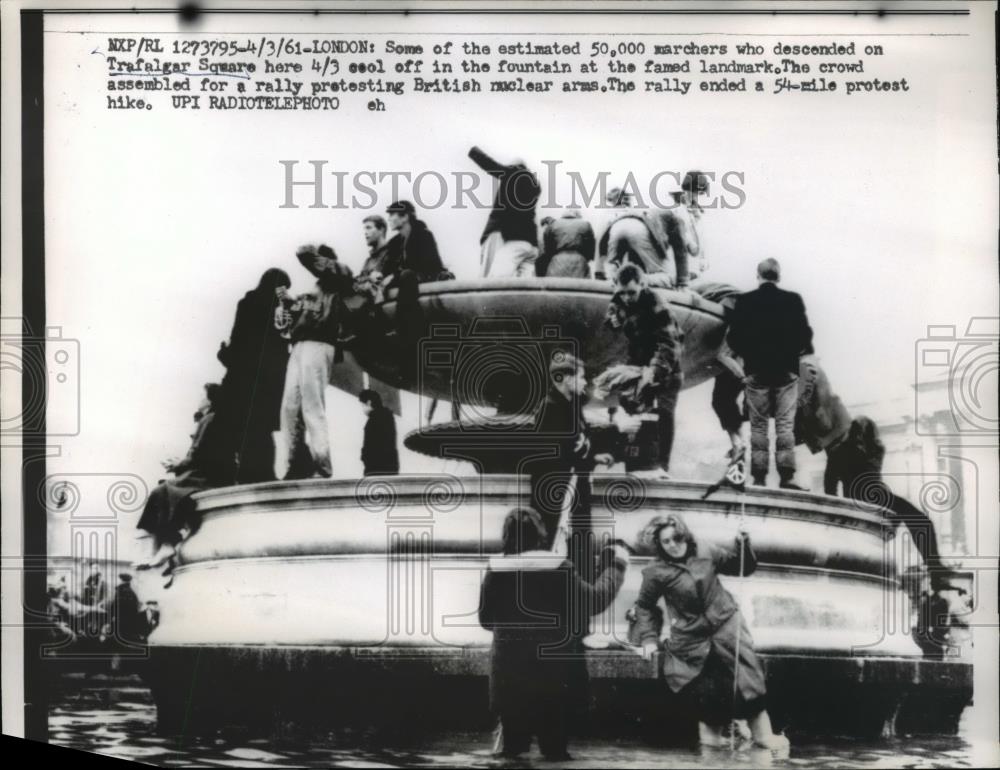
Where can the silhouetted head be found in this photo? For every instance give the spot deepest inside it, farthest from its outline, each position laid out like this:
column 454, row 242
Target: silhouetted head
column 400, row 213
column 370, row 400
column 272, row 279
column 864, row 438
column 769, row 271
column 523, row 530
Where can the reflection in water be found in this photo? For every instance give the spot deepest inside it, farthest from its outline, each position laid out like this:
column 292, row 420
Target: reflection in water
column 117, row 717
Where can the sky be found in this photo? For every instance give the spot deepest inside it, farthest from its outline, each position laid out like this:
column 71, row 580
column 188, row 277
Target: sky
column 880, row 208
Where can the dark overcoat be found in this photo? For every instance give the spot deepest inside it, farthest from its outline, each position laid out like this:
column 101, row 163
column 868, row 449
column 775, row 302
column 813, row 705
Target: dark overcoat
column 528, row 600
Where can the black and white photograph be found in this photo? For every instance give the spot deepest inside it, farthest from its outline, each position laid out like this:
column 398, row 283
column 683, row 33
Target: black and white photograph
column 501, row 384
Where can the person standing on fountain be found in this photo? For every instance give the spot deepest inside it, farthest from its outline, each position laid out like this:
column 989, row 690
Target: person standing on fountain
column 561, row 418
column 255, row 358
column 709, row 639
column 538, row 672
column 316, row 326
column 509, row 244
column 769, row 331
column 378, row 452
column 655, row 344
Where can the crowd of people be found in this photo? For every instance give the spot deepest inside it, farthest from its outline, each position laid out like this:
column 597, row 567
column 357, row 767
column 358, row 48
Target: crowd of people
column 96, row 619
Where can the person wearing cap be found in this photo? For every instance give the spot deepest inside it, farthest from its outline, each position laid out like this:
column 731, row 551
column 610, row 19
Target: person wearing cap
column 509, row 243
column 769, row 330
column 532, row 599
column 316, row 327
column 561, row 423
column 568, row 246
column 655, row 346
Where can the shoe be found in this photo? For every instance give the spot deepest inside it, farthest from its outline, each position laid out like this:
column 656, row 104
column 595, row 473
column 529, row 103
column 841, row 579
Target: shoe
column 163, row 555
column 793, row 486
column 596, row 642
column 778, row 745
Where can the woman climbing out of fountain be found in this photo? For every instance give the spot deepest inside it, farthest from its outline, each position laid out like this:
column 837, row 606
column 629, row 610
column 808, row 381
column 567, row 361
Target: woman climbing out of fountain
column 529, row 599
column 709, row 641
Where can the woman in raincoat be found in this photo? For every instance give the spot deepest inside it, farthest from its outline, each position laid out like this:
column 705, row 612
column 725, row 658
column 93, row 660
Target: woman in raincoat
column 705, row 623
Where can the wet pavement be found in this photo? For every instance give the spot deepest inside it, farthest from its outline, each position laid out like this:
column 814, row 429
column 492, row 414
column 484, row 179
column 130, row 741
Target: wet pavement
column 117, row 717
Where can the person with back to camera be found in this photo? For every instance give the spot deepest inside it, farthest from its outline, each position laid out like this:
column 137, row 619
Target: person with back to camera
column 707, row 631
column 769, row 330
column 531, row 600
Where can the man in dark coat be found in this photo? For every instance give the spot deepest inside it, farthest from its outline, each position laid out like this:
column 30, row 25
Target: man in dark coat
column 413, row 248
column 378, row 452
column 538, row 670
column 412, row 259
column 655, row 344
column 125, row 613
column 562, row 429
column 510, row 238
column 770, row 331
